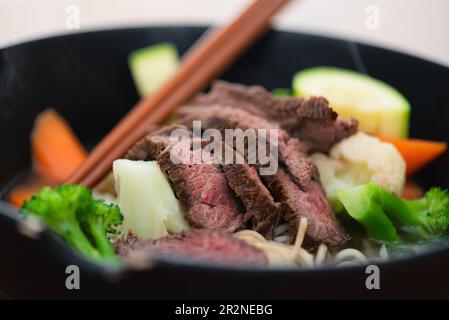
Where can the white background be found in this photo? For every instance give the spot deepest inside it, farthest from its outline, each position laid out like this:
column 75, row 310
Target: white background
column 420, row 27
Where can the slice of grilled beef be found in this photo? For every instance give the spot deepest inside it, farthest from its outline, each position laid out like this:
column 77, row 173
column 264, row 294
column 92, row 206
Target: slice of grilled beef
column 310, row 203
column 202, row 189
column 297, row 187
column 261, row 209
column 196, row 244
column 312, row 120
column 291, row 151
column 157, row 139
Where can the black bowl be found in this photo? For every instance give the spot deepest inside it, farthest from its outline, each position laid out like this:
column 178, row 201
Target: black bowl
column 86, row 78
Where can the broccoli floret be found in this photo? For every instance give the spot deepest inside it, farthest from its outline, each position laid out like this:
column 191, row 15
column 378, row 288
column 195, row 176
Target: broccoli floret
column 371, row 204
column 430, row 214
column 72, row 212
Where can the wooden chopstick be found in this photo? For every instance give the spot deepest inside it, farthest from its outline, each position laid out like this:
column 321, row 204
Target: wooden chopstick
column 212, row 54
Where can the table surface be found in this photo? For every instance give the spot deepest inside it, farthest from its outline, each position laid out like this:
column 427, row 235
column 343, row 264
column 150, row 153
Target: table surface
column 415, row 26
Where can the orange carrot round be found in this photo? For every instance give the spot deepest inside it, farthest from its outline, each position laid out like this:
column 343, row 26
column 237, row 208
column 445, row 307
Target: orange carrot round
column 25, row 190
column 416, row 153
column 412, row 191
column 56, row 150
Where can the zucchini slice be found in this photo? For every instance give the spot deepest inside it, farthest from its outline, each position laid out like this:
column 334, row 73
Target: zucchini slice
column 379, row 108
column 152, row 66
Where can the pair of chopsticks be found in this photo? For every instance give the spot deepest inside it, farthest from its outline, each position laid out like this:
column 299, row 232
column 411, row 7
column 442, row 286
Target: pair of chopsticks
column 207, row 59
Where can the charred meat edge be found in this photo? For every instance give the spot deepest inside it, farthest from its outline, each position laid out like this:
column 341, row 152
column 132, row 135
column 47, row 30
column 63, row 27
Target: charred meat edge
column 310, row 120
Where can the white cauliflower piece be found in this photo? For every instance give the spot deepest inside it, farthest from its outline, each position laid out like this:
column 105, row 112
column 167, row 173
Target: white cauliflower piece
column 148, row 204
column 360, row 159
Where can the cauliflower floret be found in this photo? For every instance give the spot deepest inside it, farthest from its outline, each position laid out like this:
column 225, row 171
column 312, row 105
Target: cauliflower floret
column 360, row 159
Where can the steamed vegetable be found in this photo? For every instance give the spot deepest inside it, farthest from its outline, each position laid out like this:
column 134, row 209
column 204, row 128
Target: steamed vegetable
column 72, row 212
column 416, row 153
column 357, row 160
column 103, row 219
column 411, row 191
column 364, row 204
column 379, row 108
column 24, row 191
column 424, row 218
column 56, row 153
column 152, row 66
column 149, row 207
column 56, row 150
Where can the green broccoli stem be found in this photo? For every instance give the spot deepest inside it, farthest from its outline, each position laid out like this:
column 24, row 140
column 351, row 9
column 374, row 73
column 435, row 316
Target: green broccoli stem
column 409, row 213
column 404, row 212
column 75, row 237
column 363, row 204
column 99, row 234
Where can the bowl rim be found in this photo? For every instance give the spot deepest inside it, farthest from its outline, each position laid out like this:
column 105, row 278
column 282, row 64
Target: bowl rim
column 204, row 27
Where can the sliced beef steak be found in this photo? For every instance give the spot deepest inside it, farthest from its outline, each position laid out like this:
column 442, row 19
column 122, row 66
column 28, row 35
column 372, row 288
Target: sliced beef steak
column 199, row 245
column 312, row 120
column 294, row 191
column 263, row 211
column 202, row 189
column 149, row 147
column 204, row 192
column 312, row 204
column 292, row 152
column 297, row 188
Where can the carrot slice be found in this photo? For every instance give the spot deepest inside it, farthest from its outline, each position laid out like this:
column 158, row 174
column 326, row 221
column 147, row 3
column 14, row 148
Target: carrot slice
column 23, row 192
column 416, row 153
column 412, row 191
column 56, row 150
